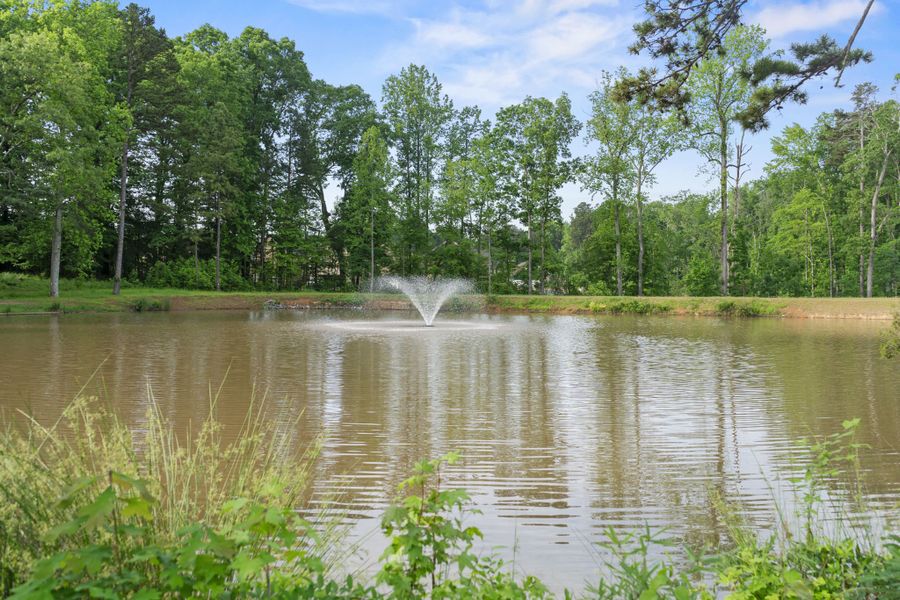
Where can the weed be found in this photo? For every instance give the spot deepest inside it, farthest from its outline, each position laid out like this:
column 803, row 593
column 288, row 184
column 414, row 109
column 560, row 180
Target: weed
column 629, row 306
column 890, row 339
column 150, row 305
column 753, row 308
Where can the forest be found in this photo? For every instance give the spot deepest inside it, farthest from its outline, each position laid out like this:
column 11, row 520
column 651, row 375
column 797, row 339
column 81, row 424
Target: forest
column 208, row 162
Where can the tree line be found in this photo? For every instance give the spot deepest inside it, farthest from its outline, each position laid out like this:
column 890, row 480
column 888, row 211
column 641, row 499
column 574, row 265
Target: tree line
column 204, row 161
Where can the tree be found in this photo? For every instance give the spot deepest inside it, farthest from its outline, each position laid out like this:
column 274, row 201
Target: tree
column 719, row 93
column 535, row 136
column 417, row 113
column 145, row 56
column 212, row 133
column 365, row 213
column 324, row 131
column 59, row 121
column 685, row 33
column 609, row 171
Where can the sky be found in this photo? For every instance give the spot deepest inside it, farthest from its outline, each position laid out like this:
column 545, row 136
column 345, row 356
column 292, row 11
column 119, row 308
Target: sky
column 493, row 53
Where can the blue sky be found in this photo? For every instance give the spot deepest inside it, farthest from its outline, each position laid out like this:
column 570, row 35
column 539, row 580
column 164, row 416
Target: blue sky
column 495, row 52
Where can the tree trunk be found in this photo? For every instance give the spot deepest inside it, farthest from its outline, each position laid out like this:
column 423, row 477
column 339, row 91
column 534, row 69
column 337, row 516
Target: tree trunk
column 218, row 246
column 640, row 235
column 55, row 247
column 529, row 253
column 832, row 291
column 490, row 263
column 723, row 193
column 873, row 229
column 618, row 250
column 372, row 249
column 862, row 215
column 123, row 193
column 543, row 269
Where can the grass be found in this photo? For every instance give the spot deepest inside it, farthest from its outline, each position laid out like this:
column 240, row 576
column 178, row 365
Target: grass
column 28, row 294
column 47, row 471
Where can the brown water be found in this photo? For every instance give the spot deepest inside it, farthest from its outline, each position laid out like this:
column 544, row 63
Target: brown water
column 567, row 424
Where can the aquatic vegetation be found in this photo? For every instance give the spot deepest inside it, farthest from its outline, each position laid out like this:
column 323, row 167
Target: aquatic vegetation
column 86, row 514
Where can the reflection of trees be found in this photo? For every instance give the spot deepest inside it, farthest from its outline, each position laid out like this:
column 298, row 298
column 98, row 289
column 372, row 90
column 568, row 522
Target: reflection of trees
column 829, row 371
column 568, row 422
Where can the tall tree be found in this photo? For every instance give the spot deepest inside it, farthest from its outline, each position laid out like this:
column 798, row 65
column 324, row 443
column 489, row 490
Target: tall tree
column 324, row 131
column 365, row 212
column 145, row 57
column 212, row 134
column 610, row 172
column 537, row 135
column 417, row 113
column 685, row 33
column 719, row 92
column 58, row 123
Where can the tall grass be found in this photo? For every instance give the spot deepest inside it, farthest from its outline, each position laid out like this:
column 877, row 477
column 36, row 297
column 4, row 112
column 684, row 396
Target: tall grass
column 47, row 471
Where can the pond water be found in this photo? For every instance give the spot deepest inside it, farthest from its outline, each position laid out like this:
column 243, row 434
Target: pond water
column 567, row 424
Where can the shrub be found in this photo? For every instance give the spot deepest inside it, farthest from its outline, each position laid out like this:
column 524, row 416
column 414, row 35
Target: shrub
column 191, row 481
column 752, row 308
column 184, row 274
column 629, row 306
column 598, row 288
column 150, row 305
column 890, row 339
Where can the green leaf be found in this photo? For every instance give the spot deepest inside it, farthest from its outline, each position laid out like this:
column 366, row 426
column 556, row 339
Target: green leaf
column 99, row 510
column 79, row 485
column 137, row 507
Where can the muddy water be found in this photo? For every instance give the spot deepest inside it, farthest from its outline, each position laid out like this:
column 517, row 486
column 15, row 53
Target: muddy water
column 567, row 424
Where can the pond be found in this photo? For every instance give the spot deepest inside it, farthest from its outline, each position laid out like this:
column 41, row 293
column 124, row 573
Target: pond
column 567, row 424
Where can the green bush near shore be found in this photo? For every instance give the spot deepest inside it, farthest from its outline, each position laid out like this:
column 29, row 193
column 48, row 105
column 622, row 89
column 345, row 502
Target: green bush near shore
column 91, row 509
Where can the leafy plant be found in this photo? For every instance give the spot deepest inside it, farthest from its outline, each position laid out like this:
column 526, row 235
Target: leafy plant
column 633, row 576
column 268, row 551
column 191, row 481
column 890, row 339
column 430, row 553
column 150, row 305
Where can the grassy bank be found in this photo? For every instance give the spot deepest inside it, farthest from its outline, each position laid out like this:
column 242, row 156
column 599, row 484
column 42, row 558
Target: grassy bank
column 91, row 509
column 26, row 295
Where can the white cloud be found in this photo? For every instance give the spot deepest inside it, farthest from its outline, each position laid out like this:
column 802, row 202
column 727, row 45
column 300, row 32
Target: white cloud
column 784, row 18
column 368, row 7
column 500, row 51
column 450, row 35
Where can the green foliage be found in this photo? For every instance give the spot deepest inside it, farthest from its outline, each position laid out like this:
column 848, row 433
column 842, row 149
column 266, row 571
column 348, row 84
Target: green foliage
column 186, row 274
column 630, row 307
column 101, row 535
column 266, row 551
column 47, row 475
column 883, row 579
column 633, row 575
column 737, row 308
column 890, row 339
column 430, row 553
column 150, row 305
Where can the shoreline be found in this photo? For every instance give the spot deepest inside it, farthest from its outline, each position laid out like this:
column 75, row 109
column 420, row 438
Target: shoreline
column 150, row 300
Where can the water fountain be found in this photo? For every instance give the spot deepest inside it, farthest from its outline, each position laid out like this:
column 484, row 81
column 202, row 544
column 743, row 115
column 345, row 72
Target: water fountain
column 427, row 295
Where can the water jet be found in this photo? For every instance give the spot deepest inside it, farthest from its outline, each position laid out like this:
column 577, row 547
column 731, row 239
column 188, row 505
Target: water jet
column 427, row 295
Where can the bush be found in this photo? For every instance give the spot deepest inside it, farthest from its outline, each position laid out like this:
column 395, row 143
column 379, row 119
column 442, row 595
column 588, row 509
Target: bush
column 744, row 309
column 890, row 339
column 46, row 472
column 184, row 274
column 599, row 288
column 630, row 306
column 150, row 305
